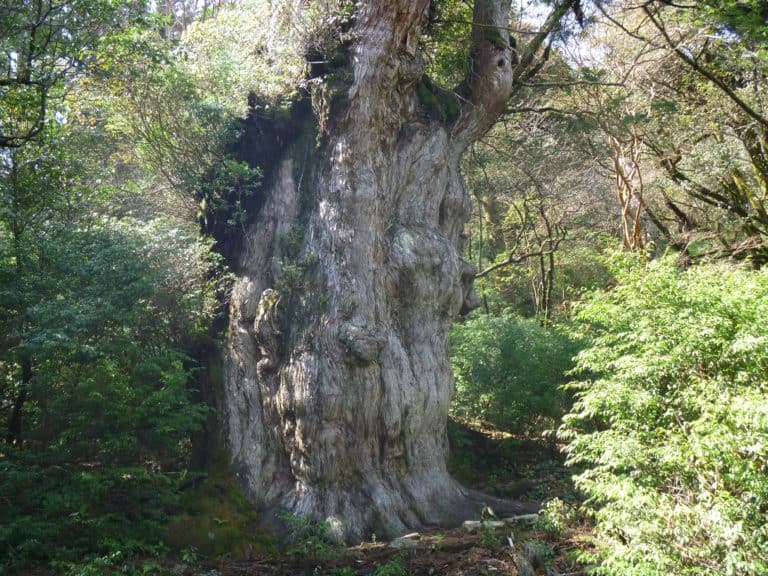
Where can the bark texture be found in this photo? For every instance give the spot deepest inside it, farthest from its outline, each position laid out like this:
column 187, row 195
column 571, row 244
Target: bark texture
column 337, row 377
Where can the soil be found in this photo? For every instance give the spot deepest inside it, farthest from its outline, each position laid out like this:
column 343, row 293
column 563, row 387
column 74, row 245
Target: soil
column 452, row 553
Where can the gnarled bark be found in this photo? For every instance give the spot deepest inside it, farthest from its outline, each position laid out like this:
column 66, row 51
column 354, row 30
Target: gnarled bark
column 337, row 378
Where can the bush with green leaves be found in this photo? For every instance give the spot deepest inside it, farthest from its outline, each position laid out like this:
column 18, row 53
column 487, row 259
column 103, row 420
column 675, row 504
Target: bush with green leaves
column 97, row 393
column 508, row 371
column 309, row 537
column 671, row 424
column 393, row 567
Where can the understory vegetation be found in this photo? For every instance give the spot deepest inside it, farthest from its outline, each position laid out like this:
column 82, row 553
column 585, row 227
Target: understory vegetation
column 672, row 422
column 664, row 417
column 509, row 372
column 619, row 235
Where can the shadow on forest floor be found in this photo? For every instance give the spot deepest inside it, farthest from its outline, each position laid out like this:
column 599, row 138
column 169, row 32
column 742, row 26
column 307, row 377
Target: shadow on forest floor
column 525, row 468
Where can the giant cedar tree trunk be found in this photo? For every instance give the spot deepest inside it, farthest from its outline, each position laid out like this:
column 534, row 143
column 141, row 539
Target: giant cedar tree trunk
column 337, row 377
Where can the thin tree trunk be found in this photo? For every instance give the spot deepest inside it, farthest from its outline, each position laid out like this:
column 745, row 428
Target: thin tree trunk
column 15, row 420
column 14, row 435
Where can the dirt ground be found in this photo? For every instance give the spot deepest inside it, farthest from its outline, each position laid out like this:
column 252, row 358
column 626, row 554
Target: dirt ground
column 452, row 553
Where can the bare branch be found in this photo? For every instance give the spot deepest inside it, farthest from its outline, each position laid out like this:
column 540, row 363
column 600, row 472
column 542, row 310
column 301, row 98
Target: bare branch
column 566, row 83
column 541, row 110
column 482, row 25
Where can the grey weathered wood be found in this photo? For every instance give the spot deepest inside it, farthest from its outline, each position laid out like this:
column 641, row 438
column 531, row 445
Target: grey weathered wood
column 522, row 519
column 336, row 394
column 407, row 541
column 473, row 525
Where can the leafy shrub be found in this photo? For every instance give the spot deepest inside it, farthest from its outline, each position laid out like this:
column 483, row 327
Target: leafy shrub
column 64, row 510
column 673, row 422
column 394, row 567
column 106, row 406
column 555, row 516
column 508, row 371
column 309, row 537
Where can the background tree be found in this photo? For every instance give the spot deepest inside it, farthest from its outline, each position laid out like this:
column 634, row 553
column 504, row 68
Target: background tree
column 97, row 401
column 100, row 314
column 693, row 107
column 44, row 44
column 542, row 202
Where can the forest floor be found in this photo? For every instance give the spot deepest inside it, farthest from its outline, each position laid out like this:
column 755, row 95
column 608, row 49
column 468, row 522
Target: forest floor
column 523, row 469
column 526, row 470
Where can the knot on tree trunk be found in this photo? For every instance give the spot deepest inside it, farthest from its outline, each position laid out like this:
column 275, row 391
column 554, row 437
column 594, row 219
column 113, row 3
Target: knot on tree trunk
column 430, row 270
column 364, row 344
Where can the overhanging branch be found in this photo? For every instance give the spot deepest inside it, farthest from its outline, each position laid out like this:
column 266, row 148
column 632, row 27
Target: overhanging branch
column 550, row 24
column 683, row 55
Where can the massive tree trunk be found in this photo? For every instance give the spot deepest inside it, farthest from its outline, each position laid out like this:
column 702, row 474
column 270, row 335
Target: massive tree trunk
column 337, row 377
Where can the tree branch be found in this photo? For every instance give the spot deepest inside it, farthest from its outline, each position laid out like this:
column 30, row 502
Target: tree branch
column 708, row 74
column 488, row 84
column 518, row 259
column 495, row 65
column 563, row 84
column 541, row 110
column 550, row 24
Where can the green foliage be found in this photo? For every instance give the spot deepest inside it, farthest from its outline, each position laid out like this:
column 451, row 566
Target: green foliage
column 260, row 48
column 45, row 44
column 555, row 516
column 62, row 510
column 113, row 563
column 160, row 114
column 103, row 317
column 97, row 315
column 394, row 567
column 508, row 371
column 173, row 119
column 578, row 269
column 341, row 571
column 439, row 103
column 308, row 537
column 745, row 18
column 227, row 193
column 217, row 519
column 106, row 289
column 672, row 423
column 488, row 537
column 582, row 269
column 247, row 47
column 449, row 41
